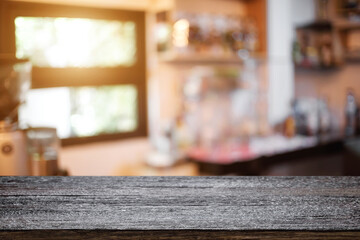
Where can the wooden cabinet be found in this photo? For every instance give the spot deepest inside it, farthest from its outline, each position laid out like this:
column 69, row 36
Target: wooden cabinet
column 318, row 45
column 331, row 40
column 347, row 14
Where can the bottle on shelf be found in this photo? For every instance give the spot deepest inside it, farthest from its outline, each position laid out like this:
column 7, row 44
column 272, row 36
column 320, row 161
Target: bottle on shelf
column 324, row 116
column 251, row 35
column 213, row 33
column 350, row 114
column 290, row 126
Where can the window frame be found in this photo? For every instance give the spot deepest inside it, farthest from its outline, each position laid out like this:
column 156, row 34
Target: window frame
column 76, row 77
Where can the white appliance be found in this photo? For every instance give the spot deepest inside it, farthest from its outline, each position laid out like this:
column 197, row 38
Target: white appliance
column 13, row 151
column 15, row 80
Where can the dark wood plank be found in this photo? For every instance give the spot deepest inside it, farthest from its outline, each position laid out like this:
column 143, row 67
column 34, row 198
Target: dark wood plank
column 176, row 235
column 180, row 207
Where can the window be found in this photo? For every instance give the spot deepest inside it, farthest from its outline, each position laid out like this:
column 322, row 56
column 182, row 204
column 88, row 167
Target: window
column 88, row 76
column 82, row 111
column 75, row 42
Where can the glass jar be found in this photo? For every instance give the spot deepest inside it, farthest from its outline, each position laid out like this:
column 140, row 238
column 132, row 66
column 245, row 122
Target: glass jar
column 43, row 148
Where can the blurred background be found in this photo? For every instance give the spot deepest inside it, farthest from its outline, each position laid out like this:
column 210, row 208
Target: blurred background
column 179, row 87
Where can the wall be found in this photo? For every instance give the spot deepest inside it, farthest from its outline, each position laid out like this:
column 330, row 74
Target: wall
column 104, row 159
column 281, row 88
column 302, row 11
column 331, row 85
column 227, row 7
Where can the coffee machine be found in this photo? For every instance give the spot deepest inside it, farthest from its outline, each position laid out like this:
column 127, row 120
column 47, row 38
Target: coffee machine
column 15, row 81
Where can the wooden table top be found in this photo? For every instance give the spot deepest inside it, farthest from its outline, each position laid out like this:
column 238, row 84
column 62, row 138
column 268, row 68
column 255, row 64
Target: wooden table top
column 180, row 207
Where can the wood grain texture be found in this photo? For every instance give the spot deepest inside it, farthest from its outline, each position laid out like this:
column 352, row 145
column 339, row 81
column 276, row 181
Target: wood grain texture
column 181, row 207
column 176, row 235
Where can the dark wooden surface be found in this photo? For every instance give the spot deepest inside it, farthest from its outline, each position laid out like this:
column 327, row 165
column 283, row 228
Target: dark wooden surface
column 179, row 207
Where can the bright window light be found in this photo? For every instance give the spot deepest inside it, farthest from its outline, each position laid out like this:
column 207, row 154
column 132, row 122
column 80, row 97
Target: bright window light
column 82, row 111
column 75, row 42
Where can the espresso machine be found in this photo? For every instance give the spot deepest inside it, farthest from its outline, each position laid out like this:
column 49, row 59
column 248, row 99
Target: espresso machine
column 15, row 81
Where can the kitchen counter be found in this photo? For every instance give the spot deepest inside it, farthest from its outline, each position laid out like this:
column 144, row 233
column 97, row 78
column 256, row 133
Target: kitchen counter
column 179, row 207
column 262, row 153
column 259, row 147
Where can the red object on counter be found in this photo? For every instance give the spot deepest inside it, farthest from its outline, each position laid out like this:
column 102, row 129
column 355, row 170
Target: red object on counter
column 222, row 154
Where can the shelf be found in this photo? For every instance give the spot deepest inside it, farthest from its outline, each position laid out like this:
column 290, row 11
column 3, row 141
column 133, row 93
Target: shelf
column 317, row 26
column 202, row 58
column 300, row 69
column 340, row 24
column 198, row 58
column 347, row 24
column 348, row 10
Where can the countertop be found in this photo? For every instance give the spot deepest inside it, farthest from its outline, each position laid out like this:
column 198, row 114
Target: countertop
column 180, row 207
